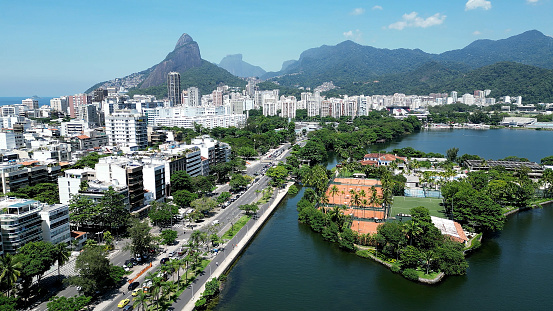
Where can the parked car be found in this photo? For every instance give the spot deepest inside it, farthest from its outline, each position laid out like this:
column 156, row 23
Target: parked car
column 164, row 260
column 128, row 308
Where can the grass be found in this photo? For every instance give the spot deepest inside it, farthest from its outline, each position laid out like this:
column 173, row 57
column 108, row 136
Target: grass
column 236, row 227
column 403, row 205
column 429, row 276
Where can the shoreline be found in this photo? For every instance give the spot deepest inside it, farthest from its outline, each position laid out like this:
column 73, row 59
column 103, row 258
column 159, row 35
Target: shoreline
column 226, row 265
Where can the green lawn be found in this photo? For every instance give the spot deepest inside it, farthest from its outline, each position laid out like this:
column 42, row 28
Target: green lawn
column 402, row 205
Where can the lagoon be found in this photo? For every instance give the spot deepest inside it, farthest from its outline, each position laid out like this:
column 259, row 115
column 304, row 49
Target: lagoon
column 289, row 267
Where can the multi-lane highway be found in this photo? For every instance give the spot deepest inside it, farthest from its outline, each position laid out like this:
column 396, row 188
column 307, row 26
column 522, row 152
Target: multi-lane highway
column 225, row 217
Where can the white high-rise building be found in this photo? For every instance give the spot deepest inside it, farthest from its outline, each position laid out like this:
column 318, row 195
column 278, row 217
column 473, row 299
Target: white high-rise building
column 194, row 97
column 127, row 128
column 59, row 104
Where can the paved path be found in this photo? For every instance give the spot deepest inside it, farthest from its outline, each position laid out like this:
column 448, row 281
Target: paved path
column 224, row 259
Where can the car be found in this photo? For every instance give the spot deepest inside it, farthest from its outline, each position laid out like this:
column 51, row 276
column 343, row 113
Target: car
column 129, row 263
column 127, row 269
column 172, row 254
column 128, row 308
column 123, row 303
column 136, row 291
column 133, row 285
column 164, row 260
column 215, row 222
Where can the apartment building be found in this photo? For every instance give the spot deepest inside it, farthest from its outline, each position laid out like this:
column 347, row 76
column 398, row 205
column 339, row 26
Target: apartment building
column 128, row 129
column 20, row 223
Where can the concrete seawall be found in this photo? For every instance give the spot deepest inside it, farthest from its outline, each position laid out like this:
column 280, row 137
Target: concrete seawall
column 238, row 248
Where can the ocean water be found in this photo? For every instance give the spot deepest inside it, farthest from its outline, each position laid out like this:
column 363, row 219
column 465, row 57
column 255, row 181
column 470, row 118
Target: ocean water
column 17, row 100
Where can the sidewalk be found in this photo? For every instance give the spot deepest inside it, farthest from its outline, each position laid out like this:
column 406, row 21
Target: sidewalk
column 251, row 229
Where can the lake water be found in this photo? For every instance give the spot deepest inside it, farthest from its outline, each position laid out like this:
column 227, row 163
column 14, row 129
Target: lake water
column 289, row 267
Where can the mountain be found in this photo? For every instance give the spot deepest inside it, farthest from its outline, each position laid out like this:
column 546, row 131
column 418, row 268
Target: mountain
column 235, row 65
column 534, row 84
column 349, row 62
column 186, row 55
column 185, row 59
column 530, row 48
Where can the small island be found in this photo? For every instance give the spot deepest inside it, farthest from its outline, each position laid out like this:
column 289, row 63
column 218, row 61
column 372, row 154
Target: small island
column 419, row 216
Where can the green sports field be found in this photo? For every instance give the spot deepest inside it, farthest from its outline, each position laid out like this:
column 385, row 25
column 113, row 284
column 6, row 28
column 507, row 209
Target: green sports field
column 402, row 205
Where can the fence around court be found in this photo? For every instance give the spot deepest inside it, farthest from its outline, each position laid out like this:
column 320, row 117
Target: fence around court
column 421, row 193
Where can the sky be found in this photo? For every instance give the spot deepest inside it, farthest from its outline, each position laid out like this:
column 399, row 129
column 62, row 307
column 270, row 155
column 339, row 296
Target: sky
column 54, row 48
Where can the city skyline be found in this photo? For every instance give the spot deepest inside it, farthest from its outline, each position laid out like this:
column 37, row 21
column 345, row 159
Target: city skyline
column 65, row 47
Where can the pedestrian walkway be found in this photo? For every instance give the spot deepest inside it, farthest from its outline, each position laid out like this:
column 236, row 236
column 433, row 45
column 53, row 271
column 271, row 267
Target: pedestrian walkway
column 224, row 259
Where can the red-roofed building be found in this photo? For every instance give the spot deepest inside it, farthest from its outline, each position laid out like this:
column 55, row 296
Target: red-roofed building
column 381, row 159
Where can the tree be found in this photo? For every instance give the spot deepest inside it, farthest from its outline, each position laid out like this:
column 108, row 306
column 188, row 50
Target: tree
column 93, row 270
column 223, row 197
column 247, row 152
column 162, row 213
column 180, row 180
column 238, row 182
column 450, row 259
column 60, row 303
column 141, row 238
column 547, row 160
column 183, row 198
column 10, row 270
column 168, row 237
column 317, row 178
column 277, row 174
column 113, row 213
column 36, row 258
column 140, row 299
column 204, row 205
column 202, row 184
column 61, row 255
column 249, row 208
column 313, row 151
column 82, row 210
column 347, row 240
column 475, row 208
column 8, row 303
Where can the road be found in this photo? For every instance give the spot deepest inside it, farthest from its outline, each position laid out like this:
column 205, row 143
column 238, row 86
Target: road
column 226, row 217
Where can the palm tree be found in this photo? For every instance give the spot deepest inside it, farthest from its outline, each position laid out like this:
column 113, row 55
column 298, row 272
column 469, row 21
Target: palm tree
column 140, row 299
column 363, row 201
column 427, row 259
column 334, row 191
column 169, row 290
column 412, row 229
column 10, row 270
column 61, row 255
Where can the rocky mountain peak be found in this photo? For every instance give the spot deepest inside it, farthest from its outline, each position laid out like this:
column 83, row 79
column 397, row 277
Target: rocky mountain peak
column 183, row 40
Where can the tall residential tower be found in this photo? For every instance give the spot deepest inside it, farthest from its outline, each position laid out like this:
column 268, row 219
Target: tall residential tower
column 173, row 88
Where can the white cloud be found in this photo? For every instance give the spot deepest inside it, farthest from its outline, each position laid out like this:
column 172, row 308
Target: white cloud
column 377, row 7
column 475, row 4
column 532, row 1
column 476, row 33
column 353, row 35
column 357, row 11
column 413, row 20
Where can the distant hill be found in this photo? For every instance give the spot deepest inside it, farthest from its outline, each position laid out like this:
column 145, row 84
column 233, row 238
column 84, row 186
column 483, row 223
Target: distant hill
column 529, row 48
column 185, row 59
column 235, row 65
column 504, row 78
column 349, row 62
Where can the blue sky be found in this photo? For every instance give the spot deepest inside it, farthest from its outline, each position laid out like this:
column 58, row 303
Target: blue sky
column 52, row 48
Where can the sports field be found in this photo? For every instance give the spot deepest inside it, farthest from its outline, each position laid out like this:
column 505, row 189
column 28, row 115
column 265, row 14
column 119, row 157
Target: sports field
column 402, row 205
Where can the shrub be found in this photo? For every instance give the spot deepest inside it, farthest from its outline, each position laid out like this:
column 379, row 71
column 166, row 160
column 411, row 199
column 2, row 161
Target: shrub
column 395, row 268
column 293, row 190
column 410, row 274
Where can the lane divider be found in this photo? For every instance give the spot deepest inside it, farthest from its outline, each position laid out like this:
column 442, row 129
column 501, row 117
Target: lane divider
column 141, row 272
